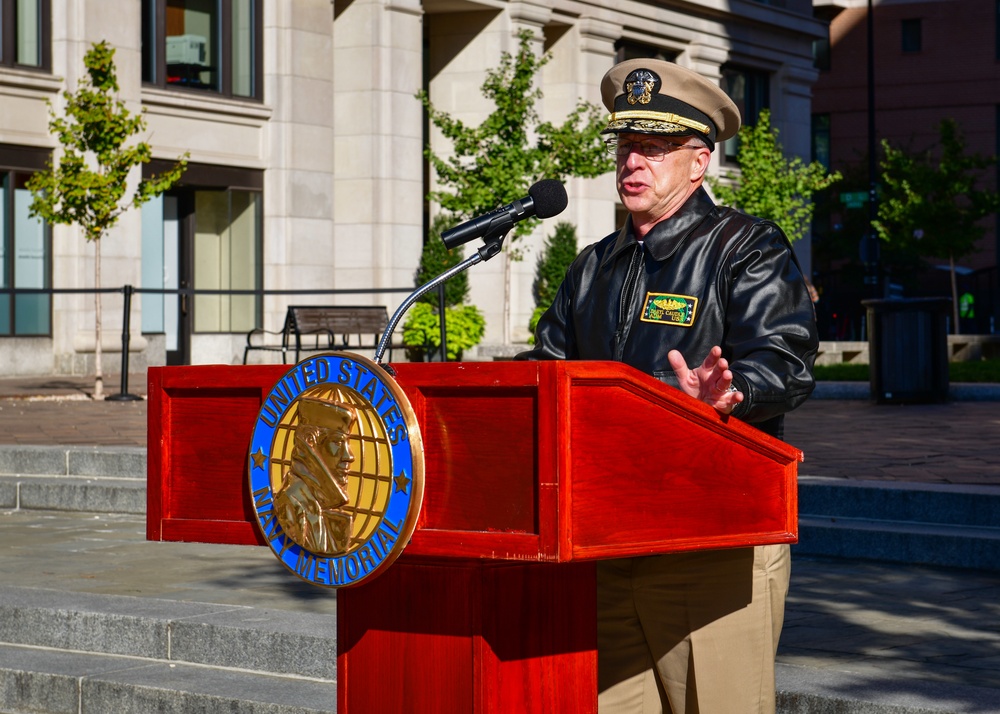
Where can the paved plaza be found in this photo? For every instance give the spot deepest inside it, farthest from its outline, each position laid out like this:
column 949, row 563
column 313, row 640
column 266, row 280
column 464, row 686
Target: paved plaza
column 859, row 636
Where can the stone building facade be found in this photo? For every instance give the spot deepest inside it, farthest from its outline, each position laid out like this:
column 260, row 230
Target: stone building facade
column 305, row 143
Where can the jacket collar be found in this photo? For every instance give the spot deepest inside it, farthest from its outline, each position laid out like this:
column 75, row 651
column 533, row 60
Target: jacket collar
column 667, row 235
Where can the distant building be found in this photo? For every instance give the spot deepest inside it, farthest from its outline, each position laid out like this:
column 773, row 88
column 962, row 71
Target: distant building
column 932, row 60
column 306, row 148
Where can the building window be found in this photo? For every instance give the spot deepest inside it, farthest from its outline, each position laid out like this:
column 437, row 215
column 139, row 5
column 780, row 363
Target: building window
column 821, row 139
column 821, row 52
column 24, row 33
column 203, row 45
column 750, row 90
column 25, row 247
column 227, row 256
column 911, row 31
column 626, row 50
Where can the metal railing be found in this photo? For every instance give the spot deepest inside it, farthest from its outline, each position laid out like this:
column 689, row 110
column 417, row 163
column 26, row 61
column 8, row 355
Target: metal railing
column 128, row 290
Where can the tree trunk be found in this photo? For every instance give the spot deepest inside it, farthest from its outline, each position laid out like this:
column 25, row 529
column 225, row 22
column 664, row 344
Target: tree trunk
column 98, row 375
column 954, row 295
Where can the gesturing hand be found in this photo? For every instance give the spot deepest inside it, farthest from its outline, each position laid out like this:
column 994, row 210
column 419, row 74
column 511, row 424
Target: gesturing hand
column 710, row 382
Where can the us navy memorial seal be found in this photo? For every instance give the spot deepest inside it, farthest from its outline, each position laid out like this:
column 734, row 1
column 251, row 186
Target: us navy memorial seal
column 336, row 470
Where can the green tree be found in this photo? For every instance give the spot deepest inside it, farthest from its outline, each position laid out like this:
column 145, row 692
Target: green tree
column 770, row 185
column 435, row 260
column 88, row 187
column 554, row 260
column 497, row 161
column 931, row 201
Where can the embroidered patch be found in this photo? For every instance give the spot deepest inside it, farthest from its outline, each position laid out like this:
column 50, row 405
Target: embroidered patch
column 669, row 309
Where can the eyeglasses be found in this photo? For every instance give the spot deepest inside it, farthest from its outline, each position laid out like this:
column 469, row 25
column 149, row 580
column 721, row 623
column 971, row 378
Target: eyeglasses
column 652, row 150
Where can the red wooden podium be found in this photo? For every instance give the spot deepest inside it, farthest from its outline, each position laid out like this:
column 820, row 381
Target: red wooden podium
column 534, row 471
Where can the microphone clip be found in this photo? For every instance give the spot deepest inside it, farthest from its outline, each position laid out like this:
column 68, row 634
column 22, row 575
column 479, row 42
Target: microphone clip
column 493, row 240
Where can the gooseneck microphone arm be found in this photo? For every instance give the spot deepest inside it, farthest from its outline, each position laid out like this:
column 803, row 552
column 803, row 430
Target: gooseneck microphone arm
column 476, row 257
column 545, row 199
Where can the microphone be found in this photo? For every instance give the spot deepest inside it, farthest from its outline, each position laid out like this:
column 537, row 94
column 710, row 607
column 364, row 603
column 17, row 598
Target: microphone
column 545, row 199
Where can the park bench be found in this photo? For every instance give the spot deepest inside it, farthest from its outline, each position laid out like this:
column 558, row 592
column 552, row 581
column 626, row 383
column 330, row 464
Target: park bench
column 322, row 328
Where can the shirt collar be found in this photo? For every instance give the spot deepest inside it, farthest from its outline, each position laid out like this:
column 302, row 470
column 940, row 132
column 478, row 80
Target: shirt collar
column 666, row 236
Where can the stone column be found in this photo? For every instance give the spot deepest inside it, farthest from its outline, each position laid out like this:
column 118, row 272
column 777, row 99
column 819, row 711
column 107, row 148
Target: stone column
column 377, row 156
column 793, row 115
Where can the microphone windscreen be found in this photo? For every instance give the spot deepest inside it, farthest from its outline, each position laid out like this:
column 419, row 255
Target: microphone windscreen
column 549, row 197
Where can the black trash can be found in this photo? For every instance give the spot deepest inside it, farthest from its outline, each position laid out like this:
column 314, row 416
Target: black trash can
column 908, row 349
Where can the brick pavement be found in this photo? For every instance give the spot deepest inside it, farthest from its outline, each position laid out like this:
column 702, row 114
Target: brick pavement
column 956, row 443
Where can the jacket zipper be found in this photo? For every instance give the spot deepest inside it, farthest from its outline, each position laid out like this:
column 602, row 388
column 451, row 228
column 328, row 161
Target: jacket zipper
column 624, row 318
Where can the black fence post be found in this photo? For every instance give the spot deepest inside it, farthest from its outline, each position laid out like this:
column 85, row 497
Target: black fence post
column 124, row 395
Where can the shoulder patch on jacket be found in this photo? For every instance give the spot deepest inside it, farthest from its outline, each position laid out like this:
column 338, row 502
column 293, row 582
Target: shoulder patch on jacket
column 667, row 309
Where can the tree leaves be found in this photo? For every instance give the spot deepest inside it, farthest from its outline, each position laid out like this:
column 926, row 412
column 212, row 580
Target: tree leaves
column 496, row 162
column 770, row 185
column 930, row 201
column 87, row 186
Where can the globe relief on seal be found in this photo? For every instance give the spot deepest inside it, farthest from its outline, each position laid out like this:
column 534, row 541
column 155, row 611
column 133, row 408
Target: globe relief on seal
column 335, row 469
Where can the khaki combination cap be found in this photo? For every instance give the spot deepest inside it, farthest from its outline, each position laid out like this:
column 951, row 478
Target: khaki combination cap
column 651, row 96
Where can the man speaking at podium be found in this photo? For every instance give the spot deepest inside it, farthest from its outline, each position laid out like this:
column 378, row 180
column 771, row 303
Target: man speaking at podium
column 713, row 302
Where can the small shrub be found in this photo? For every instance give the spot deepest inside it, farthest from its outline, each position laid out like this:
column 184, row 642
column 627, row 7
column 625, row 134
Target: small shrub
column 422, row 329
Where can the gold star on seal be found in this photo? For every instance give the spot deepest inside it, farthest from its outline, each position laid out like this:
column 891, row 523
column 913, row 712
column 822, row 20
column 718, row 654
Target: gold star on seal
column 402, row 482
column 259, row 459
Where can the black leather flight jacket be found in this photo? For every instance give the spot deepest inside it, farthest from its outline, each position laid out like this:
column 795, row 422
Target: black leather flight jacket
column 708, row 275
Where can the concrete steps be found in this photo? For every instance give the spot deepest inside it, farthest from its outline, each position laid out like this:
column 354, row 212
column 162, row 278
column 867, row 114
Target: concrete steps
column 73, row 652
column 56, row 478
column 928, row 524
column 77, row 652
column 955, row 526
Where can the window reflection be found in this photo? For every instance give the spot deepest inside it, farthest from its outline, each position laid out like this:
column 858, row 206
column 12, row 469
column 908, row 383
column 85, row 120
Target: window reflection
column 750, row 90
column 205, row 45
column 24, row 260
column 191, row 45
column 226, row 257
column 243, row 48
column 24, row 33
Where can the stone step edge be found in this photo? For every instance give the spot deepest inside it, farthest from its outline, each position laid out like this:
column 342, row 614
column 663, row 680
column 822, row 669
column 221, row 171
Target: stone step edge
column 47, row 680
column 901, row 527
column 73, row 460
column 953, row 504
column 79, row 494
column 916, row 544
column 171, row 663
column 805, row 480
column 177, row 632
column 72, row 478
column 40, row 673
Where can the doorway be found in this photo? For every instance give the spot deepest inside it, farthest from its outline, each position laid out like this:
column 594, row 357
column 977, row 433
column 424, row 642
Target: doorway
column 208, row 239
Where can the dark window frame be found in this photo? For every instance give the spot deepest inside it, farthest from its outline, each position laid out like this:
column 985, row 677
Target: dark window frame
column 823, row 52
column 757, row 96
column 22, row 161
column 154, row 51
column 820, row 132
column 627, row 49
column 8, row 36
column 911, row 35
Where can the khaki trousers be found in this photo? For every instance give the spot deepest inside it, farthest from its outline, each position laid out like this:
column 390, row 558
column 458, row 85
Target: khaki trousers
column 691, row 633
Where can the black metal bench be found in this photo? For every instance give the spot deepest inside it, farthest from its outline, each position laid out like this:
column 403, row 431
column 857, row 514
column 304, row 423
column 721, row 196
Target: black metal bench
column 321, row 328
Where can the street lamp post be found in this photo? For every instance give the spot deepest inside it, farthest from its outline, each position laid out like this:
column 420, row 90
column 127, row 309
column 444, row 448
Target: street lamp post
column 873, row 265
